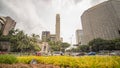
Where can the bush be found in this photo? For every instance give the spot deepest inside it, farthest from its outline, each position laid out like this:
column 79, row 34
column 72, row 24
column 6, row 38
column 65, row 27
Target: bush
column 75, row 62
column 8, row 59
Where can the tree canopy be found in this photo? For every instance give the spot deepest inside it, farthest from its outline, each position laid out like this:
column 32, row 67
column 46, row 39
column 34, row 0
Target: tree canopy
column 101, row 44
column 21, row 42
column 58, row 46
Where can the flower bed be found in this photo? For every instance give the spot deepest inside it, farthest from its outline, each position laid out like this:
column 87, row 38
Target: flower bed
column 61, row 61
column 76, row 62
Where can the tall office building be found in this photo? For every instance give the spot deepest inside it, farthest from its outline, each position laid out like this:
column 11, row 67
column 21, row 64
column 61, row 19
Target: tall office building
column 57, row 27
column 6, row 24
column 52, row 37
column 102, row 21
column 45, row 36
column 79, row 36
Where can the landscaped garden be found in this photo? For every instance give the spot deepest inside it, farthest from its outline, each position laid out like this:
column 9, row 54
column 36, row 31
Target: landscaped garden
column 62, row 61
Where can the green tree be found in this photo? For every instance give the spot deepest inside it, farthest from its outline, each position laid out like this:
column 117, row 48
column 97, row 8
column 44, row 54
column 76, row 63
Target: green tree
column 58, row 46
column 20, row 41
column 116, row 43
column 34, row 40
column 83, row 48
column 64, row 45
column 54, row 46
column 98, row 44
column 73, row 50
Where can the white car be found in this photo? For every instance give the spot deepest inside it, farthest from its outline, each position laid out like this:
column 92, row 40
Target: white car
column 57, row 53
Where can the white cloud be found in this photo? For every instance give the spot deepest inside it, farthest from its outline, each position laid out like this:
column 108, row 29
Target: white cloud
column 34, row 16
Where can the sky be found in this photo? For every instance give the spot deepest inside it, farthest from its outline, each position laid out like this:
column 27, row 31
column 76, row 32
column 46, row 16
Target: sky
column 35, row 16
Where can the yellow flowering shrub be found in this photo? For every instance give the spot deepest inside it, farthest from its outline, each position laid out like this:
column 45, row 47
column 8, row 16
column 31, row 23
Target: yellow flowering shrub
column 76, row 62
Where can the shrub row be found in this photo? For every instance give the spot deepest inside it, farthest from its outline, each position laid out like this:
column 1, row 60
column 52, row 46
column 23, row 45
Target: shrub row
column 8, row 59
column 67, row 61
column 76, row 62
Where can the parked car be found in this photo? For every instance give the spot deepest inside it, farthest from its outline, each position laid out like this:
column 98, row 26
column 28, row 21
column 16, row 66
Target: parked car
column 38, row 54
column 114, row 54
column 57, row 53
column 80, row 54
column 92, row 53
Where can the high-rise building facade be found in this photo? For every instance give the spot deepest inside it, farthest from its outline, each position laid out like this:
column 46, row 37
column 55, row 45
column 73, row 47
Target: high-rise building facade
column 57, row 27
column 45, row 36
column 53, row 37
column 79, row 36
column 102, row 21
column 6, row 24
column 2, row 23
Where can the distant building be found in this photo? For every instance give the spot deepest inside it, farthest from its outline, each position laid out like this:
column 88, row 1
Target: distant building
column 2, row 23
column 5, row 46
column 79, row 36
column 6, row 24
column 45, row 36
column 52, row 37
column 61, row 39
column 58, row 27
column 102, row 21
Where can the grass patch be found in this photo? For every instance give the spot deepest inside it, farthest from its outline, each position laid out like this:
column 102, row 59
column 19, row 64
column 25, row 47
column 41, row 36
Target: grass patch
column 8, row 59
